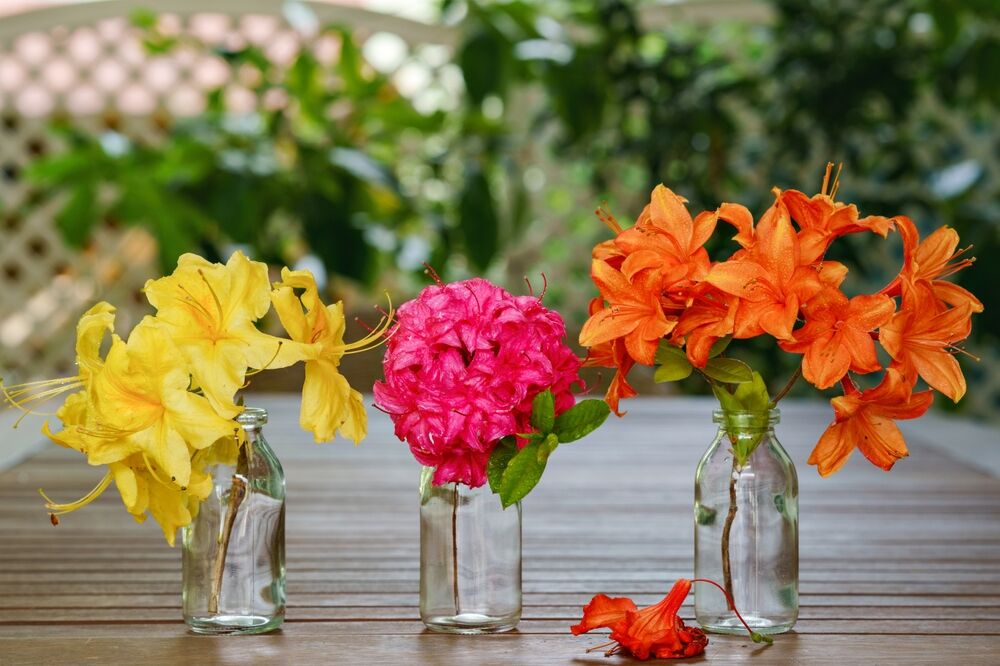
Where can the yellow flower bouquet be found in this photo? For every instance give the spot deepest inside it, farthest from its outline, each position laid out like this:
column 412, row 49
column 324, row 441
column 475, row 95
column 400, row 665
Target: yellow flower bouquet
column 159, row 408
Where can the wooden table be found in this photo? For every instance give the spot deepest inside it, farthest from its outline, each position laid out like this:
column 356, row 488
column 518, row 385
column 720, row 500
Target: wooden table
column 896, row 568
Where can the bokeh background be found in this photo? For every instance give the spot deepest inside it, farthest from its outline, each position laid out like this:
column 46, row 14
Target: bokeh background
column 363, row 139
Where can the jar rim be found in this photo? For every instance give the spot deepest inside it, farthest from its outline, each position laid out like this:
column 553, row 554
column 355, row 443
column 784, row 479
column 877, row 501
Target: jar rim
column 741, row 416
column 252, row 416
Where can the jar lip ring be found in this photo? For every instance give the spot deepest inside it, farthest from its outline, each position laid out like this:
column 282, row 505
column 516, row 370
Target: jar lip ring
column 773, row 415
column 252, row 416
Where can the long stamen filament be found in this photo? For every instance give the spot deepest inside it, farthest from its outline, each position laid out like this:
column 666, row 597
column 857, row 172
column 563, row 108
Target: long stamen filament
column 194, row 302
column 215, row 297
column 261, row 369
column 58, row 508
column 373, row 339
column 605, row 216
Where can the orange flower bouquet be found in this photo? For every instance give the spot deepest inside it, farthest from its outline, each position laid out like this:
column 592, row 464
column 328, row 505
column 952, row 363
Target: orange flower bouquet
column 664, row 302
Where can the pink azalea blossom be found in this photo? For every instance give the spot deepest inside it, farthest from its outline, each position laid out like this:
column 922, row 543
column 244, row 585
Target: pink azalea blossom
column 462, row 366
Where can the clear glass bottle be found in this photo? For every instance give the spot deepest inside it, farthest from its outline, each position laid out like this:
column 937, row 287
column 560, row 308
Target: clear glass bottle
column 234, row 550
column 470, row 560
column 753, row 496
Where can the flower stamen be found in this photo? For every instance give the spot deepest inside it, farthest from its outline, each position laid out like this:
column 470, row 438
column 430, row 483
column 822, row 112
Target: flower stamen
column 57, row 509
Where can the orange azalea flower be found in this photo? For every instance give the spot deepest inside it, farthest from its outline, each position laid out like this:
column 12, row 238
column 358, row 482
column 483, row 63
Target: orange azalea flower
column 634, row 313
column 866, row 420
column 933, row 258
column 612, row 354
column 836, row 337
column 604, row 612
column 822, row 220
column 768, row 278
column 666, row 241
column 921, row 338
column 653, row 631
column 709, row 319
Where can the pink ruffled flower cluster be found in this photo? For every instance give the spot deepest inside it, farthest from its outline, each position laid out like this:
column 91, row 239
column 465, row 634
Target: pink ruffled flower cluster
column 462, row 367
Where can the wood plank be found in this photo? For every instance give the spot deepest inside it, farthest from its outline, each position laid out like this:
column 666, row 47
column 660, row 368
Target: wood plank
column 896, row 568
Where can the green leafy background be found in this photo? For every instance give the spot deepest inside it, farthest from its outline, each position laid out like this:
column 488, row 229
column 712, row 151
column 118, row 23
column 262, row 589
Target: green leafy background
column 562, row 105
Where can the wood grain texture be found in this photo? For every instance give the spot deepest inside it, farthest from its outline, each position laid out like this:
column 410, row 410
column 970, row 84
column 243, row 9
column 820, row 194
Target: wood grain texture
column 896, row 568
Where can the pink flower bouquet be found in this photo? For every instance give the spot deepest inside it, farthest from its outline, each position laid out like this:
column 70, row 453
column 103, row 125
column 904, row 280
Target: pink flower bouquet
column 466, row 365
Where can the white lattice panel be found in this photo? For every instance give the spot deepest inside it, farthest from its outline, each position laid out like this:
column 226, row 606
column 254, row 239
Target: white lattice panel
column 87, row 63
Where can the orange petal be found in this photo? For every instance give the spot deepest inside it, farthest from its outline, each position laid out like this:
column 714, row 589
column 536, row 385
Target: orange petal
column 833, row 449
column 741, row 219
column 603, row 611
column 826, row 361
column 879, row 440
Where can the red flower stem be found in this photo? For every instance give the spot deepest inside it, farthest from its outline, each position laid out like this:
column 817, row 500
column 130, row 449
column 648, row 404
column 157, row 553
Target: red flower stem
column 729, row 599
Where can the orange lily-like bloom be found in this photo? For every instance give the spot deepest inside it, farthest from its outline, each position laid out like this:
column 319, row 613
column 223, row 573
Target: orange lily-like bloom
column 710, row 318
column 634, row 313
column 836, row 337
column 931, row 259
column 653, row 631
column 822, row 220
column 612, row 354
column 921, row 338
column 866, row 420
column 768, row 278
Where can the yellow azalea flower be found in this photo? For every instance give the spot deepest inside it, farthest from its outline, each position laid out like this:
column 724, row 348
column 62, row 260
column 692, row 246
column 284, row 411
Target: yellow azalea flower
column 209, row 310
column 140, row 419
column 142, row 394
column 329, row 404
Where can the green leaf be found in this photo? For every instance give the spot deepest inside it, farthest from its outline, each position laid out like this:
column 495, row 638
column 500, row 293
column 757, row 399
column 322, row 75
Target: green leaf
column 580, row 420
column 478, row 220
column 499, row 459
column 543, row 412
column 753, row 394
column 720, row 346
column 728, row 370
column 673, row 363
column 523, row 473
column 727, row 400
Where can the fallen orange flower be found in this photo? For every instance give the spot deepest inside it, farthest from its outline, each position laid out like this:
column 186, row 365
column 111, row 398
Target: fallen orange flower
column 654, row 631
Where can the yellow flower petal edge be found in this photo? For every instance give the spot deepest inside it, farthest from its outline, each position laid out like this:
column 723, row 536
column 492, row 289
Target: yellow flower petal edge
column 329, row 405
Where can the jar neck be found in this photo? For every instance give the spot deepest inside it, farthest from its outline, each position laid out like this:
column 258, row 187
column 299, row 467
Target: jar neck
column 760, row 422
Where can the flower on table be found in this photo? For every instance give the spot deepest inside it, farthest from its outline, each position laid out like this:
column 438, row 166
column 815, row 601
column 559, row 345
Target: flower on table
column 655, row 631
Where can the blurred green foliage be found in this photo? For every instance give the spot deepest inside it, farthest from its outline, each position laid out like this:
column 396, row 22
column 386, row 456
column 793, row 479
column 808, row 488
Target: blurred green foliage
column 317, row 168
column 614, row 94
